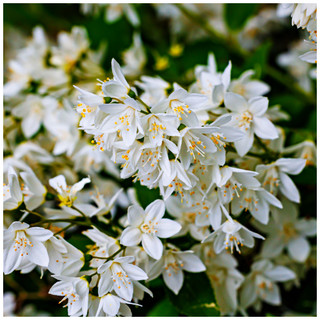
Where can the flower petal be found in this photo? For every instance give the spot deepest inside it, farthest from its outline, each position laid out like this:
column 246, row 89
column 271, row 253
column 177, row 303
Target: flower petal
column 167, row 228
column 131, row 236
column 152, row 245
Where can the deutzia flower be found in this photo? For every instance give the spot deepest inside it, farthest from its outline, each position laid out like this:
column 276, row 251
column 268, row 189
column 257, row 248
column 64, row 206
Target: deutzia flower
column 172, row 265
column 250, row 117
column 147, row 226
column 23, row 244
column 226, row 281
column 260, row 284
column 232, row 234
column 12, row 195
column 285, row 230
column 257, row 201
column 275, row 177
column 110, row 304
column 248, row 88
column 104, row 246
column 67, row 194
column 118, row 275
column 33, row 110
column 34, row 192
column 304, row 150
column 76, row 291
column 124, row 119
column 64, row 258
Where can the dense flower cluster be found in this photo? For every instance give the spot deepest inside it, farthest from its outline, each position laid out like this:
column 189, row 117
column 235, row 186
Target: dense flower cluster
column 213, row 152
column 304, row 16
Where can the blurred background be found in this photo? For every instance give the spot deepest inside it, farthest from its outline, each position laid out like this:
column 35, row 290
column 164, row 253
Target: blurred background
column 170, row 40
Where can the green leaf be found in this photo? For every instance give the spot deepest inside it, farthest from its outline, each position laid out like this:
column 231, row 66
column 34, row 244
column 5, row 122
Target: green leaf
column 163, row 309
column 237, row 14
column 196, row 298
column 146, row 196
column 258, row 60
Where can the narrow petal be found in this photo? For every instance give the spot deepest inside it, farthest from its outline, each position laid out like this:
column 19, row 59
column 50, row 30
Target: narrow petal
column 288, row 188
column 152, row 245
column 38, row 254
column 155, row 210
column 280, row 273
column 135, row 215
column 264, row 128
column 134, row 272
column 173, row 280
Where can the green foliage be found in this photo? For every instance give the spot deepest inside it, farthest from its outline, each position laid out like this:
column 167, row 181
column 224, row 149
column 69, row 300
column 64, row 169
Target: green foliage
column 258, row 59
column 146, row 196
column 236, row 14
column 196, row 298
column 163, row 309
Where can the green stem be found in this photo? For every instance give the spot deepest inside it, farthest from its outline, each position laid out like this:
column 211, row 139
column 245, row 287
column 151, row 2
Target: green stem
column 34, row 213
column 144, row 104
column 64, row 229
column 112, row 256
column 81, row 223
column 83, row 215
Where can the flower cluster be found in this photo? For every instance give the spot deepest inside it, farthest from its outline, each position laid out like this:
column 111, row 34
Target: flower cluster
column 304, row 16
column 217, row 173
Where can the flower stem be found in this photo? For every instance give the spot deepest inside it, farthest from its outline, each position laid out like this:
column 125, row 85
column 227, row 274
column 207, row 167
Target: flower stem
column 112, row 256
column 144, row 104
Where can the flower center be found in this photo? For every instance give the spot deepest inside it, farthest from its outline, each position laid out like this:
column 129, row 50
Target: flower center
column 149, row 227
column 245, row 120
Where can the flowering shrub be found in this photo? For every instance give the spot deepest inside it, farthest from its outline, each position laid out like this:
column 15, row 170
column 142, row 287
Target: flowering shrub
column 183, row 191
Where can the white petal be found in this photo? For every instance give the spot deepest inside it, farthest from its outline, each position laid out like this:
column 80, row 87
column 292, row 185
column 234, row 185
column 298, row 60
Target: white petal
column 245, row 144
column 130, row 236
column 272, row 296
column 38, row 254
column 264, row 128
column 291, row 166
column 192, row 263
column 134, row 272
column 288, row 188
column 299, row 249
column 152, row 245
column 280, row 273
column 39, row 234
column 167, row 228
column 117, row 73
column 135, row 215
column 258, row 106
column 155, row 210
column 235, row 102
column 173, row 280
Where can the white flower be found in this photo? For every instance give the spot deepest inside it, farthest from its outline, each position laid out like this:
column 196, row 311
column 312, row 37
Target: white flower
column 147, row 226
column 156, row 126
column 64, row 258
column 285, row 230
column 9, row 304
column 172, row 265
column 226, row 281
column 211, row 83
column 12, row 195
column 110, row 304
column 23, row 244
column 33, row 110
column 257, row 202
column 232, row 234
column 275, row 177
column 304, row 150
column 134, row 57
column 76, row 291
column 117, row 275
column 104, row 246
column 154, row 89
column 250, row 117
column 88, row 107
column 248, row 88
column 260, row 284
column 123, row 119
column 187, row 215
column 34, row 192
column 67, row 194
column 115, row 10
column 182, row 104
